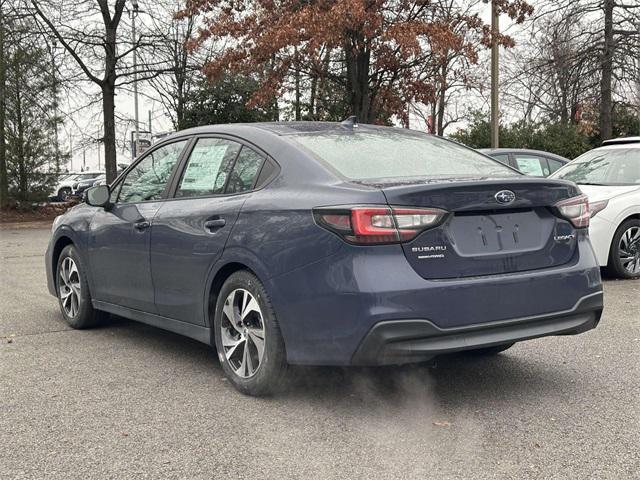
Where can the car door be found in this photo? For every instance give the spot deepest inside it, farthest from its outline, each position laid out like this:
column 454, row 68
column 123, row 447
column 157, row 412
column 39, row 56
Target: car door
column 190, row 231
column 120, row 235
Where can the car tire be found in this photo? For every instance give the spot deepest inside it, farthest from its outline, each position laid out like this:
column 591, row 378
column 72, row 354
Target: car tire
column 63, row 194
column 247, row 336
column 627, row 236
column 73, row 292
column 491, row 350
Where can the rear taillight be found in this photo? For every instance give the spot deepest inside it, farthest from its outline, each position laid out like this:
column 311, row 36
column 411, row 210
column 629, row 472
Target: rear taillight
column 576, row 210
column 368, row 225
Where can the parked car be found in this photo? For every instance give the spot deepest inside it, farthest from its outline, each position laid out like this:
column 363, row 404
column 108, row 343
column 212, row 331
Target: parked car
column 64, row 188
column 610, row 177
column 81, row 186
column 327, row 244
column 530, row 162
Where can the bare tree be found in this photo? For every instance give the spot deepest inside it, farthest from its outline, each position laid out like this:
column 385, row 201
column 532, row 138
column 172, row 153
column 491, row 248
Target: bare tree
column 554, row 71
column 181, row 66
column 90, row 31
column 602, row 41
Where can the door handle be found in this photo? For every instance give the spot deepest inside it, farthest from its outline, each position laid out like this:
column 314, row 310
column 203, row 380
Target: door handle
column 214, row 224
column 140, row 226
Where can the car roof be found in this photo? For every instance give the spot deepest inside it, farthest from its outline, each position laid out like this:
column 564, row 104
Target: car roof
column 287, row 128
column 617, row 146
column 621, row 141
column 489, row 151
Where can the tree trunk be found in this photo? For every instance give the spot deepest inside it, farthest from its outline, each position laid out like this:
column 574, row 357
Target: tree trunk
column 357, row 59
column 22, row 170
column 442, row 98
column 606, row 128
column 4, row 184
column 312, row 97
column 108, row 105
column 108, row 108
column 296, row 66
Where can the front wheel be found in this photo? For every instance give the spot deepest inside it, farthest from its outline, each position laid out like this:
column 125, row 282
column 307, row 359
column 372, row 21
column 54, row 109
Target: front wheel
column 73, row 291
column 624, row 256
column 247, row 336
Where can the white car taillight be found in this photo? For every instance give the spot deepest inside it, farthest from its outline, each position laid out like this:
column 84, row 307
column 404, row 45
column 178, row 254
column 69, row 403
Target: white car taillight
column 576, row 210
column 595, row 207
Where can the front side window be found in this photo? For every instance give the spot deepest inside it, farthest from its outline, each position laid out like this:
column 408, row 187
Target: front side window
column 613, row 166
column 391, row 154
column 208, row 167
column 148, row 179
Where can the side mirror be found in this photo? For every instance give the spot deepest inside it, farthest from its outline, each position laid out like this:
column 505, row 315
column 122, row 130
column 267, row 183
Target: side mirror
column 98, row 196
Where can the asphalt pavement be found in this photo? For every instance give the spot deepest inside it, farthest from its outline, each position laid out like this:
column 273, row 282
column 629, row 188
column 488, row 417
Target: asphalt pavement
column 130, row 401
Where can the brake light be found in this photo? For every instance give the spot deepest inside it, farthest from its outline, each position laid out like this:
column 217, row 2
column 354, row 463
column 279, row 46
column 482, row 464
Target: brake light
column 367, row 225
column 576, row 210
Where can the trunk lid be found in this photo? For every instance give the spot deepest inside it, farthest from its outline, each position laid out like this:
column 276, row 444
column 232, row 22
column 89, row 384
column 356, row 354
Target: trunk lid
column 482, row 234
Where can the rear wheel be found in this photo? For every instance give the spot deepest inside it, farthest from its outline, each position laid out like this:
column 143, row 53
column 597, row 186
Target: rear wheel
column 247, row 336
column 624, row 256
column 73, row 291
column 491, row 350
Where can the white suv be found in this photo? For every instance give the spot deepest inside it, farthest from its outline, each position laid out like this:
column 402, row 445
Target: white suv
column 610, row 176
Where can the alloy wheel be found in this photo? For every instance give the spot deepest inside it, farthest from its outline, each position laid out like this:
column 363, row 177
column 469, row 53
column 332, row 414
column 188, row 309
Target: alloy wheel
column 69, row 287
column 242, row 333
column 629, row 250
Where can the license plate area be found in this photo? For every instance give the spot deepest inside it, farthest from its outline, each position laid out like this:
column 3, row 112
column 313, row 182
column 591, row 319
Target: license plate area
column 494, row 233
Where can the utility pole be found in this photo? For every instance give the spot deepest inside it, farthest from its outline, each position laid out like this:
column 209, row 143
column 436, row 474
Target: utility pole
column 495, row 118
column 133, row 14
column 54, row 93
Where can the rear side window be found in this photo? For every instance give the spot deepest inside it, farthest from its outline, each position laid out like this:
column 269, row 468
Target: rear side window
column 554, row 164
column 208, row 167
column 501, row 157
column 244, row 171
column 362, row 155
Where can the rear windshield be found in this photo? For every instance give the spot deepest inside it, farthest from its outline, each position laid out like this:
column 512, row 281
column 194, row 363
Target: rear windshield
column 614, row 166
column 366, row 155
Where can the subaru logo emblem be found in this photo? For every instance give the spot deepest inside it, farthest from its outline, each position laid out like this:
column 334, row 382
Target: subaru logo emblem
column 505, row 197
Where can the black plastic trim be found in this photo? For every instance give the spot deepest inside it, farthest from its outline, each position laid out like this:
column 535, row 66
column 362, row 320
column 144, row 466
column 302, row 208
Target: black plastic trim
column 416, row 340
column 191, row 330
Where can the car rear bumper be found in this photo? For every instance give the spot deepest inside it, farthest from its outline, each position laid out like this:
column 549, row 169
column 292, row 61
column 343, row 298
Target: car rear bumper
column 405, row 341
column 328, row 309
